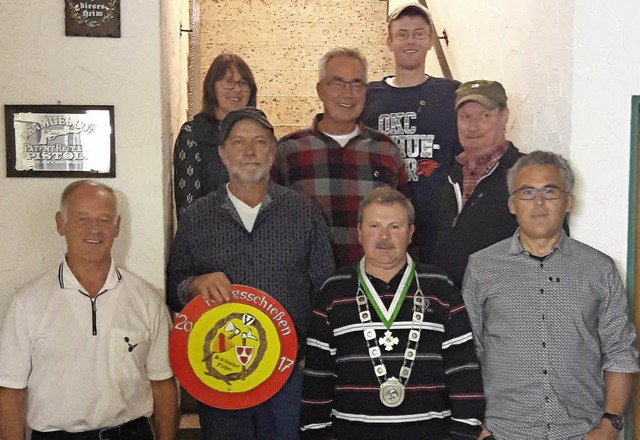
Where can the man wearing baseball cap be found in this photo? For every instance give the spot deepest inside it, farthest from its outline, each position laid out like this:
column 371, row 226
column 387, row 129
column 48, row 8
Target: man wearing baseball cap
column 416, row 111
column 256, row 233
column 473, row 210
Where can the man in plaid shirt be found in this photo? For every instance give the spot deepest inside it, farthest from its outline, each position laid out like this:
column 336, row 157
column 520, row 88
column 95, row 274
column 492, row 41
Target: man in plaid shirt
column 337, row 161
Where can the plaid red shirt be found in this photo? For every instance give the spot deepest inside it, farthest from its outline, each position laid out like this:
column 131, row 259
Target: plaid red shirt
column 338, row 178
column 483, row 166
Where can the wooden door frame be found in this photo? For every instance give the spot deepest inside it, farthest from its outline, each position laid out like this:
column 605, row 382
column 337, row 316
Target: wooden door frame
column 195, row 64
column 633, row 254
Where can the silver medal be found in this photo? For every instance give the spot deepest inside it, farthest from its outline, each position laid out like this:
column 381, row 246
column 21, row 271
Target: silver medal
column 391, row 392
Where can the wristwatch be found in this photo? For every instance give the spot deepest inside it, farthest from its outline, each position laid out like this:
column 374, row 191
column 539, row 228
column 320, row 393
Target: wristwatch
column 616, row 420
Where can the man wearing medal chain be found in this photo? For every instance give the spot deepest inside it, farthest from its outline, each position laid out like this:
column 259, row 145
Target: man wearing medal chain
column 390, row 353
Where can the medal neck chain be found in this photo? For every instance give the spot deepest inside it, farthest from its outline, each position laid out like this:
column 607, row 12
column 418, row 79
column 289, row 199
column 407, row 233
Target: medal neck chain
column 364, row 285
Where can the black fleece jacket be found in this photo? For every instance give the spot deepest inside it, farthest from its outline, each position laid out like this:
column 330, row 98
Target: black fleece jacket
column 484, row 220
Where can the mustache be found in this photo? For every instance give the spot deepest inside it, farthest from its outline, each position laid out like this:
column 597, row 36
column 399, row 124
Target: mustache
column 384, row 244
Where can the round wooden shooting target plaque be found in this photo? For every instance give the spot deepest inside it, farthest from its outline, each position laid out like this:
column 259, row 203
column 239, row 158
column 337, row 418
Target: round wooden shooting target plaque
column 233, row 355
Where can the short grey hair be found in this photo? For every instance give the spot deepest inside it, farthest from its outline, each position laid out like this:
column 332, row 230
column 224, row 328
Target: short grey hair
column 385, row 195
column 66, row 193
column 543, row 158
column 341, row 52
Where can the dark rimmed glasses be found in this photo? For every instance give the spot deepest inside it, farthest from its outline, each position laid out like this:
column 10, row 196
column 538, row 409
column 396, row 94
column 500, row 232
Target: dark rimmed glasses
column 549, row 192
column 229, row 84
column 340, row 84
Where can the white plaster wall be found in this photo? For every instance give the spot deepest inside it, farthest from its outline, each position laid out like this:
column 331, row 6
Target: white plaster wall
column 527, row 47
column 174, row 15
column 39, row 65
column 606, row 53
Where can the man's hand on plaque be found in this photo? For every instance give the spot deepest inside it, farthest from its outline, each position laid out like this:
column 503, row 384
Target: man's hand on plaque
column 212, row 286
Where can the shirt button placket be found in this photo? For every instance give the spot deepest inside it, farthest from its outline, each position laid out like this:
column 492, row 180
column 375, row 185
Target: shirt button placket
column 544, row 313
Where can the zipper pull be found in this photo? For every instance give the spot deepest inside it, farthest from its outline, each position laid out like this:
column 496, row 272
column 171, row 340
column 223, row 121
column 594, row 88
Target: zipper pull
column 93, row 317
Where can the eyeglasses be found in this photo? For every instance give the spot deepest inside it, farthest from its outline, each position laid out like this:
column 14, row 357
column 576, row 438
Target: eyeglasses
column 417, row 35
column 549, row 192
column 229, row 84
column 340, row 84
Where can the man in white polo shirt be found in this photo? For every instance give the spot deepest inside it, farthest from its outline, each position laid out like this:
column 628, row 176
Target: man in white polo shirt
column 84, row 347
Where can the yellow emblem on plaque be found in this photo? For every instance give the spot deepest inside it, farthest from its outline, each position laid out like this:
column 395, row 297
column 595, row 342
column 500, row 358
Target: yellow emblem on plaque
column 233, row 355
column 237, row 347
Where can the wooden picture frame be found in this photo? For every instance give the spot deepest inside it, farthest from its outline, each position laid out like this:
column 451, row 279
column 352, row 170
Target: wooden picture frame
column 92, row 18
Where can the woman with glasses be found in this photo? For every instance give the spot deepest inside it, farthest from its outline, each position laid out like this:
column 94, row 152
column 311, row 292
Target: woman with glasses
column 197, row 168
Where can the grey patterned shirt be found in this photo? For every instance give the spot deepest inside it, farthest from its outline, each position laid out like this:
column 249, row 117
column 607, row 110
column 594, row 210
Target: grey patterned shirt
column 545, row 331
column 287, row 254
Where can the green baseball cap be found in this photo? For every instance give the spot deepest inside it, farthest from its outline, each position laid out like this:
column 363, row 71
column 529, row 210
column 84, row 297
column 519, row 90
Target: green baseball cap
column 490, row 94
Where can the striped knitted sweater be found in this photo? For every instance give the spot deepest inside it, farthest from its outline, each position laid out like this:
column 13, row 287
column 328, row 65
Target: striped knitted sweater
column 444, row 396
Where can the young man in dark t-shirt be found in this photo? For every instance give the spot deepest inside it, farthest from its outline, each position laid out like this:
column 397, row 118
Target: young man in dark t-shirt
column 416, row 111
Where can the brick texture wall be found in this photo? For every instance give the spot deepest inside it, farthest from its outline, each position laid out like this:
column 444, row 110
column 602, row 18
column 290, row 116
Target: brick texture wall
column 282, row 42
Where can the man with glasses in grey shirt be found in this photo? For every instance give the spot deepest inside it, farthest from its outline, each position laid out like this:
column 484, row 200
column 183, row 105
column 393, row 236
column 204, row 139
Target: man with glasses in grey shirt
column 550, row 319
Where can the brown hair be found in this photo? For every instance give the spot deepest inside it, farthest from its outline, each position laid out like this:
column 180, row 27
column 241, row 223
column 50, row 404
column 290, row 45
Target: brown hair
column 385, row 195
column 218, row 69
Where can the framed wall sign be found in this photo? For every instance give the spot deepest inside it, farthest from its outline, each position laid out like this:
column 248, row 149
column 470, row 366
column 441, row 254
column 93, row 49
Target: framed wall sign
column 92, row 18
column 60, row 141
